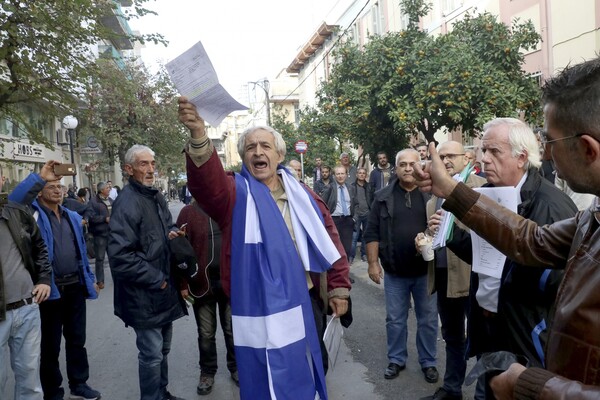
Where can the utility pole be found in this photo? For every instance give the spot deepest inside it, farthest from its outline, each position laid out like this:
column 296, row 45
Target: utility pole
column 265, row 85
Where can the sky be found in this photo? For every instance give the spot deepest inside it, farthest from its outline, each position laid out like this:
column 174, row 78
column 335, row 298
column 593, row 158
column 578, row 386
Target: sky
column 246, row 40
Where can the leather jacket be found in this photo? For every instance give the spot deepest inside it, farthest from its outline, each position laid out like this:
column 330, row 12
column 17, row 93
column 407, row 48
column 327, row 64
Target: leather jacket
column 573, row 349
column 31, row 246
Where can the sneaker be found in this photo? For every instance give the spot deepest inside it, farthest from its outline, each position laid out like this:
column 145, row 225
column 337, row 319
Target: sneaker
column 236, row 378
column 431, row 374
column 84, row 392
column 442, row 394
column 206, row 384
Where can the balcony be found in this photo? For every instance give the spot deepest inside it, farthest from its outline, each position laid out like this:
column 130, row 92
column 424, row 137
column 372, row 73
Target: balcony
column 109, row 52
column 119, row 25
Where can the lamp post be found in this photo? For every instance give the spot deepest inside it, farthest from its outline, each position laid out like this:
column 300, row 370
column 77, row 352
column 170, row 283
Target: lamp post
column 264, row 85
column 70, row 123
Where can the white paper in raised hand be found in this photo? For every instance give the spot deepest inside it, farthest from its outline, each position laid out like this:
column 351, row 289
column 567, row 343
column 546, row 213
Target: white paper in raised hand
column 194, row 77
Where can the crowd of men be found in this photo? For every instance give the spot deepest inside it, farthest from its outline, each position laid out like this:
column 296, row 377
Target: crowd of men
column 275, row 271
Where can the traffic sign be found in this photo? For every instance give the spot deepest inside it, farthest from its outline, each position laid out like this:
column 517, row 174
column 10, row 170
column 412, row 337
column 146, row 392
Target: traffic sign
column 301, row 146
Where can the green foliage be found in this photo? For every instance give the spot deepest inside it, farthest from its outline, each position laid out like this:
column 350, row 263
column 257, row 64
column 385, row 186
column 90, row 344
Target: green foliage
column 132, row 107
column 45, row 58
column 403, row 83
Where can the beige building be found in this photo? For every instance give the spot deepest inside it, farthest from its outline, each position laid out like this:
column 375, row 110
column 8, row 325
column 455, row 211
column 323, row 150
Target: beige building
column 569, row 30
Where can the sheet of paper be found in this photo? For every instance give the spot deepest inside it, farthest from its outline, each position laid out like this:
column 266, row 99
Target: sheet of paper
column 487, row 259
column 194, row 77
column 332, row 339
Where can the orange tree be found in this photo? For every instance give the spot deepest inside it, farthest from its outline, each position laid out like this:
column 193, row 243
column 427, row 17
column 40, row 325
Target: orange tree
column 403, row 83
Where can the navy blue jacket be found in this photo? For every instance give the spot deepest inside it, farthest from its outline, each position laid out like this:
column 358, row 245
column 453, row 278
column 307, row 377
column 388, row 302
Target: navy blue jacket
column 140, row 259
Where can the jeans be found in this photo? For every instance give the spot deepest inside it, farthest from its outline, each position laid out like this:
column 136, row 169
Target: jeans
column 100, row 244
column 452, row 315
column 360, row 227
column 20, row 333
column 64, row 317
column 205, row 311
column 397, row 300
column 154, row 345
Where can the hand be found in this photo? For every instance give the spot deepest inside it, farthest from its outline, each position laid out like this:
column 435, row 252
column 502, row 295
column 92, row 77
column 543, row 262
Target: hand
column 107, row 220
column 163, row 285
column 503, row 385
column 431, row 176
column 375, row 272
column 188, row 115
column 41, row 292
column 174, row 234
column 434, row 221
column 339, row 306
column 184, row 293
column 47, row 171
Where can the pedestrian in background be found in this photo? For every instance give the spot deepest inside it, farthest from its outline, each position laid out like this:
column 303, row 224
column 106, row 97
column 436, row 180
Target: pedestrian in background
column 207, row 293
column 361, row 205
column 101, row 206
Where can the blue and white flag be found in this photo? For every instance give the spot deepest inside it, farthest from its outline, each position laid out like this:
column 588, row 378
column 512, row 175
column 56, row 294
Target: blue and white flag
column 276, row 343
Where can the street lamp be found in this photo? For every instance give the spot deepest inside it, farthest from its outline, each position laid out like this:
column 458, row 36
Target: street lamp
column 70, row 123
column 264, row 85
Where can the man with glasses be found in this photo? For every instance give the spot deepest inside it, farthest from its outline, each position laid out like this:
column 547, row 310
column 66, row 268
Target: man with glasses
column 397, row 215
column 64, row 313
column 572, row 138
column 450, row 277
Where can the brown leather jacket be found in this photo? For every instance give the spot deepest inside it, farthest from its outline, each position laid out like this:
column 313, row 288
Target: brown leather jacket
column 573, row 351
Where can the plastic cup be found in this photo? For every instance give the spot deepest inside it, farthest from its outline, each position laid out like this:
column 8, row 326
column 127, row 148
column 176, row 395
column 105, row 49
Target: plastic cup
column 426, row 249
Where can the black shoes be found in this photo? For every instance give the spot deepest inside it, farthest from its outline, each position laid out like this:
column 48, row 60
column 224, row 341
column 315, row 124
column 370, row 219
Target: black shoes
column 393, row 370
column 441, row 394
column 431, row 374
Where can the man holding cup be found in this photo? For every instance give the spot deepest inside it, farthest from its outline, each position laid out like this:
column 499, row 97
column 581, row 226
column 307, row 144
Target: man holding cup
column 449, row 277
column 397, row 215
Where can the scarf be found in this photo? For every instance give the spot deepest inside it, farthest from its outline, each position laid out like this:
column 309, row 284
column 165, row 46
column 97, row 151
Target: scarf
column 276, row 342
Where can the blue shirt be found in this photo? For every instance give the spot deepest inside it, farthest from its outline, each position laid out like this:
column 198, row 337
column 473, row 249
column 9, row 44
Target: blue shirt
column 66, row 259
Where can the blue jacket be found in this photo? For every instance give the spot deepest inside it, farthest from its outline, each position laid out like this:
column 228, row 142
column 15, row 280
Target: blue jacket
column 26, row 193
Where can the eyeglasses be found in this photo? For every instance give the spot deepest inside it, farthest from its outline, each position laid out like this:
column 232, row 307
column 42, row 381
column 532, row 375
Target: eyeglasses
column 450, row 156
column 545, row 141
column 407, row 198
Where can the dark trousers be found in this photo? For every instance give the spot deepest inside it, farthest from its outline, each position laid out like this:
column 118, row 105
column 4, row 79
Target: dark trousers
column 320, row 323
column 452, row 315
column 67, row 317
column 100, row 244
column 205, row 311
column 345, row 227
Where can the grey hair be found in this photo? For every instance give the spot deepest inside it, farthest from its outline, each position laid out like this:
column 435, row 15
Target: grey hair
column 100, row 186
column 134, row 151
column 279, row 142
column 406, row 151
column 521, row 139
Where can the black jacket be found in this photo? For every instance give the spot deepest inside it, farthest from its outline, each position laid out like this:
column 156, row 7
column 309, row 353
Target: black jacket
column 380, row 227
column 98, row 224
column 526, row 294
column 368, row 194
column 29, row 241
column 139, row 255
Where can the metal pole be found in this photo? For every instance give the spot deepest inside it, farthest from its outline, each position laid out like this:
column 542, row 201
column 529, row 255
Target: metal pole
column 302, row 163
column 71, row 148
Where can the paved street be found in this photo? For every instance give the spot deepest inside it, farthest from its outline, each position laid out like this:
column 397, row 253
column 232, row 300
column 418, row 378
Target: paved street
column 357, row 375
